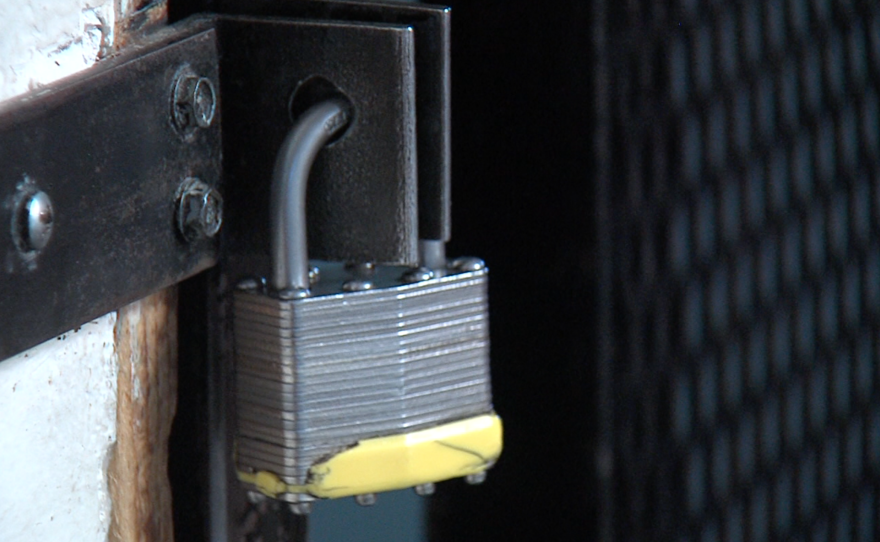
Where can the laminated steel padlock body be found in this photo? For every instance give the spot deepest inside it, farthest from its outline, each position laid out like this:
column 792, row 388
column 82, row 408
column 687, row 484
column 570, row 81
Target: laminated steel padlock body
column 319, row 374
column 357, row 379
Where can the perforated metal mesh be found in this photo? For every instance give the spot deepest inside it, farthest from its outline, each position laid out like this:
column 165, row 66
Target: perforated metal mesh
column 745, row 217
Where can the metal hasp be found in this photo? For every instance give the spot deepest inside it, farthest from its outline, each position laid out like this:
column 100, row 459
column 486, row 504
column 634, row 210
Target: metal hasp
column 358, row 378
column 362, row 202
column 89, row 169
column 431, row 33
column 135, row 158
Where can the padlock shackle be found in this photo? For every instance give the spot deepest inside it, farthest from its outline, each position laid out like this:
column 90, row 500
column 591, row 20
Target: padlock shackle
column 312, row 130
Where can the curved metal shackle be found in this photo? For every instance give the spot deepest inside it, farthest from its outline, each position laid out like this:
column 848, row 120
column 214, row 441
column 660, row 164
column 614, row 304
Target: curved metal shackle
column 314, row 128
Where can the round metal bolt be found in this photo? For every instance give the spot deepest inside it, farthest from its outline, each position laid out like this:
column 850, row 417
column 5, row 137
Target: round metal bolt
column 367, row 499
column 301, row 508
column 357, row 285
column 476, row 478
column 467, row 264
column 199, row 210
column 314, row 275
column 194, row 102
column 418, row 274
column 34, row 220
column 294, row 293
column 423, row 490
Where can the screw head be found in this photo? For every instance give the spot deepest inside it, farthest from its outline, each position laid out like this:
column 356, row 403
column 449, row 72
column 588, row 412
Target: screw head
column 423, row 490
column 357, row 285
column 194, row 102
column 294, row 293
column 476, row 478
column 34, row 221
column 367, row 499
column 418, row 274
column 203, row 101
column 199, row 210
column 467, row 264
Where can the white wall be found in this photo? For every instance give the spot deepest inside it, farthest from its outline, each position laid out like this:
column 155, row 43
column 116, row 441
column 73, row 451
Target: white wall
column 58, row 411
column 57, row 400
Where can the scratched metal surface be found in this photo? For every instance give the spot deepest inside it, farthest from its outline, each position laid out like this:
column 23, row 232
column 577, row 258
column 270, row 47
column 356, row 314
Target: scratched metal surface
column 92, row 143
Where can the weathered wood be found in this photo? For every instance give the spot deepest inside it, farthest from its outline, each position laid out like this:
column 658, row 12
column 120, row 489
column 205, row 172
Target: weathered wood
column 146, row 343
column 137, row 17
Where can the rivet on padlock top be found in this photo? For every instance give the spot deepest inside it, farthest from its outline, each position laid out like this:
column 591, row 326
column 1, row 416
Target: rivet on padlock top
column 349, row 391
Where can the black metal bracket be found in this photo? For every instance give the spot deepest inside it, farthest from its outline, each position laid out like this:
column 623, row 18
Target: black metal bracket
column 137, row 154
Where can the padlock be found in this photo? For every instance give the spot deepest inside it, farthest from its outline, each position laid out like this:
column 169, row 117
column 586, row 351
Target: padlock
column 356, row 379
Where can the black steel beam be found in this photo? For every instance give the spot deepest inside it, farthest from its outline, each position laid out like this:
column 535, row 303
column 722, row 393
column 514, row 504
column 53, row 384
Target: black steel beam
column 104, row 149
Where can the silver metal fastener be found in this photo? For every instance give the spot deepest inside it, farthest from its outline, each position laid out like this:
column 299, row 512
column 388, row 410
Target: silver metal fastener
column 34, row 220
column 423, row 490
column 367, row 499
column 417, row 274
column 199, row 210
column 476, row 479
column 194, row 102
column 467, row 264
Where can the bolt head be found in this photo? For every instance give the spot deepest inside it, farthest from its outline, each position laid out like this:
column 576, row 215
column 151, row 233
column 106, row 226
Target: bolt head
column 357, row 285
column 418, row 274
column 203, row 102
column 367, row 499
column 423, row 490
column 476, row 478
column 294, row 293
column 35, row 219
column 467, row 264
column 194, row 102
column 314, row 275
column 200, row 210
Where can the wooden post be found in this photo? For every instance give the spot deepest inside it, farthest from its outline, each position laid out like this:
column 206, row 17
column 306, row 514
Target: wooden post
column 146, row 344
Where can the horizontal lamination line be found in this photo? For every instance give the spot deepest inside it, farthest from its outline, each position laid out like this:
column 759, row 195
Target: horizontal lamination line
column 335, row 362
column 439, row 304
column 400, row 374
column 339, row 370
column 391, row 345
column 371, row 400
column 330, row 363
column 388, row 410
column 371, row 428
column 268, row 435
column 318, row 326
column 260, row 339
column 400, row 381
